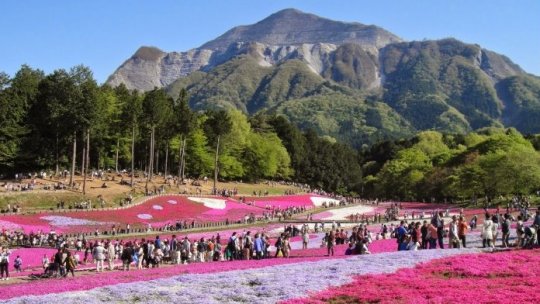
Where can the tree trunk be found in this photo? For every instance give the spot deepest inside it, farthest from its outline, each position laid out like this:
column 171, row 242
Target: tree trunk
column 132, row 154
column 57, row 157
column 88, row 152
column 85, row 165
column 157, row 159
column 116, row 159
column 166, row 159
column 216, row 167
column 183, row 159
column 179, row 162
column 151, row 156
column 73, row 161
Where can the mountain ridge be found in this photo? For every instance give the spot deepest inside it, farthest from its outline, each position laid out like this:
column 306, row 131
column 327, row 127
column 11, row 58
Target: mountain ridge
column 394, row 87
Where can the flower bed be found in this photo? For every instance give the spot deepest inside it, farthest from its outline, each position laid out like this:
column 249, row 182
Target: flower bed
column 265, row 281
column 158, row 210
column 345, row 213
column 282, row 202
column 507, row 277
column 31, row 257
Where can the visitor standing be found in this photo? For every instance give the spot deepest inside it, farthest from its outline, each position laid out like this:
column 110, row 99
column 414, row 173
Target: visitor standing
column 453, row 237
column 487, row 232
column 111, row 252
column 99, row 256
column 330, row 242
column 70, row 264
column 4, row 263
column 17, row 264
column 536, row 225
column 462, row 231
column 505, row 227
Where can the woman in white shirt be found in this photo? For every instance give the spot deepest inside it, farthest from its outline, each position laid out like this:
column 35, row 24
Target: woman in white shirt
column 487, row 232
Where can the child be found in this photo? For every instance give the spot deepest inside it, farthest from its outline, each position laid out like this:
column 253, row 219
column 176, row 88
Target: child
column 46, row 263
column 18, row 264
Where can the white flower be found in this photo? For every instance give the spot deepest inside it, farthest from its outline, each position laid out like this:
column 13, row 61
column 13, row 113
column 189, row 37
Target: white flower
column 56, row 220
column 212, row 203
column 145, row 216
column 319, row 201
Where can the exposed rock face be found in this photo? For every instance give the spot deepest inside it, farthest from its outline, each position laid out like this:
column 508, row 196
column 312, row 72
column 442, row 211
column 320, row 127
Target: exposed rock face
column 355, row 55
column 150, row 67
column 287, row 34
column 293, row 27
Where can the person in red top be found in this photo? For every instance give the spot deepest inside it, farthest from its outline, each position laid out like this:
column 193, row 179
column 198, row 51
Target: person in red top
column 416, row 237
column 463, row 227
column 432, row 236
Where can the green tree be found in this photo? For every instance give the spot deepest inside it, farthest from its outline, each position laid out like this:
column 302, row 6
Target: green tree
column 217, row 124
column 130, row 118
column 185, row 121
column 156, row 110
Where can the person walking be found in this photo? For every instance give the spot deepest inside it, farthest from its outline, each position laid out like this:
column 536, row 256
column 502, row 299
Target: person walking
column 440, row 230
column 279, row 245
column 258, row 246
column 453, row 237
column 432, row 236
column 487, row 232
column 536, row 225
column 99, row 256
column 287, row 247
column 70, row 264
column 401, row 233
column 17, row 264
column 305, row 237
column 520, row 230
column 424, row 230
column 462, row 231
column 110, row 255
column 4, row 263
column 505, row 227
column 127, row 256
column 330, row 242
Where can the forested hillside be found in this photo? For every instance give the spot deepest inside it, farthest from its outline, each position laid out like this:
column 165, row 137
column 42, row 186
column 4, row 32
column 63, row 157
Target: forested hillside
column 47, row 121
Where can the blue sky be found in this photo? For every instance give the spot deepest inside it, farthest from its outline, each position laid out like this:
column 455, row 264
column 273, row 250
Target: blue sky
column 103, row 33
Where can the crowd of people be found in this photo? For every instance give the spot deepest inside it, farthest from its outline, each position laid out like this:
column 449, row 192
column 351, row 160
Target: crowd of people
column 430, row 235
column 414, row 234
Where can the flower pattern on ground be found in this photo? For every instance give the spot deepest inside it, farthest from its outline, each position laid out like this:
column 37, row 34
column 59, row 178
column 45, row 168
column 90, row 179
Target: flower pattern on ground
column 145, row 216
column 56, row 220
column 262, row 285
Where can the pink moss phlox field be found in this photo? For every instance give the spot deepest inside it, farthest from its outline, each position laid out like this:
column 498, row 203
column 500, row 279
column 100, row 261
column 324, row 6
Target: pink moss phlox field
column 323, row 215
column 156, row 211
column 282, row 202
column 104, row 279
column 87, row 282
column 32, row 257
column 504, row 277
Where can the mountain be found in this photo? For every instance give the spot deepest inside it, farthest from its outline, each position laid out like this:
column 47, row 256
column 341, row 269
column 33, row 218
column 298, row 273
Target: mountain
column 357, row 83
column 293, row 27
column 287, row 34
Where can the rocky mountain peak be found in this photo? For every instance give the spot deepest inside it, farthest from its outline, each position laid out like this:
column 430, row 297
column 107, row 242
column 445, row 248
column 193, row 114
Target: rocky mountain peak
column 292, row 27
column 149, row 53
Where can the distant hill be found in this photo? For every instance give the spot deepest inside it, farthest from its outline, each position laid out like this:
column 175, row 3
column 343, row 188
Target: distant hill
column 354, row 82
